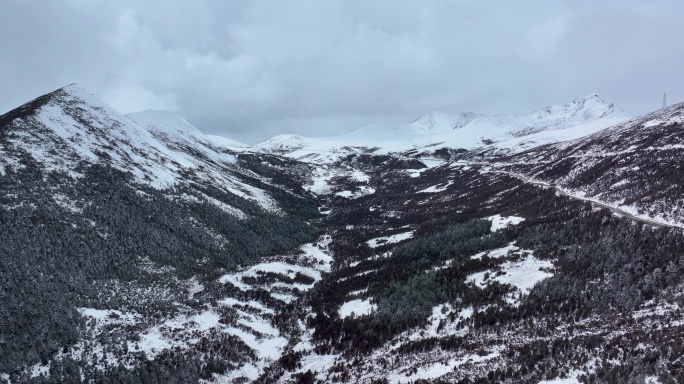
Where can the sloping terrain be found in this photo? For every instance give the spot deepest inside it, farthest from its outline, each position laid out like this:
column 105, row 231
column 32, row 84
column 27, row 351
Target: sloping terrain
column 634, row 166
column 111, row 228
column 68, row 127
column 137, row 249
column 460, row 274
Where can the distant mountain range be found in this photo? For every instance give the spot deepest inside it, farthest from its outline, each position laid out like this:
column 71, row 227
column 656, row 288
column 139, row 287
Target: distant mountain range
column 457, row 131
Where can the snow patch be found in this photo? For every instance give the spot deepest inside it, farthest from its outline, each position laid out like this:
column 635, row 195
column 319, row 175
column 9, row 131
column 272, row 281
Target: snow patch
column 523, row 274
column 391, row 239
column 357, row 307
column 194, row 286
column 570, row 379
column 496, row 253
column 362, row 191
column 437, row 188
column 416, row 172
column 437, row 369
column 499, row 222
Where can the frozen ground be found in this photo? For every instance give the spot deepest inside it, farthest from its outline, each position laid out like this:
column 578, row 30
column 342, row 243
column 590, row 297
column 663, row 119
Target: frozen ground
column 499, row 222
column 522, row 274
column 357, row 307
column 391, row 239
column 437, row 188
column 571, row 379
column 253, row 320
column 321, row 182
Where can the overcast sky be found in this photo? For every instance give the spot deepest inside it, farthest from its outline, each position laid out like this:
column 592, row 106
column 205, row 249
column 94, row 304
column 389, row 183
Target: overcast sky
column 249, row 70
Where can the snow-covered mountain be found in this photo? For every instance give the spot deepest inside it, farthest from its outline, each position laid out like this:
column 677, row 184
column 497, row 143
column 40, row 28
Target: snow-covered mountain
column 459, row 248
column 108, row 223
column 173, row 127
column 633, row 166
column 510, row 133
column 70, row 126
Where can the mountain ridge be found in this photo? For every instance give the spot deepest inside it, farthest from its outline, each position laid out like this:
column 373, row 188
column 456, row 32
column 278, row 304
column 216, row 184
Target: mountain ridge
column 102, row 219
column 622, row 165
column 70, row 125
column 437, row 130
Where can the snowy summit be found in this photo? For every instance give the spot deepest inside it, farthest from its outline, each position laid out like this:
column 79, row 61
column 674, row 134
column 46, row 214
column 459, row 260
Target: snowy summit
column 466, row 130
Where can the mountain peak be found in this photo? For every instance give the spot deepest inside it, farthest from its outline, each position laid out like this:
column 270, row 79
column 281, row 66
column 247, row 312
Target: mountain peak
column 591, row 98
column 73, row 87
column 588, row 107
column 465, row 130
column 72, row 92
column 283, row 142
column 75, row 90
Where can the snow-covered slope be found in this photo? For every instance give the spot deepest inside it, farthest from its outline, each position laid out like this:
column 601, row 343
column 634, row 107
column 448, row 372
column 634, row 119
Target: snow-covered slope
column 165, row 122
column 174, row 127
column 436, row 130
column 135, row 261
column 439, row 121
column 60, row 130
column 116, row 220
column 226, row 142
column 634, row 166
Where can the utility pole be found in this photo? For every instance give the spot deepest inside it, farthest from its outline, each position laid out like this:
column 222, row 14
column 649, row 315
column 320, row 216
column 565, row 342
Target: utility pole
column 664, row 100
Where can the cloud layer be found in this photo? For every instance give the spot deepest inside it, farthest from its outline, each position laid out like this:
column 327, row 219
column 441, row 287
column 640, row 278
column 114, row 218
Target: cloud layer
column 251, row 69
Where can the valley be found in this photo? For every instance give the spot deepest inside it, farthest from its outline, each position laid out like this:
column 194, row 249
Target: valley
column 137, row 249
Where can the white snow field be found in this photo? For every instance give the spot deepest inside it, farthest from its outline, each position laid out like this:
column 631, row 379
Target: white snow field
column 497, row 253
column 436, row 130
column 356, row 307
column 522, row 274
column 499, row 222
column 253, row 325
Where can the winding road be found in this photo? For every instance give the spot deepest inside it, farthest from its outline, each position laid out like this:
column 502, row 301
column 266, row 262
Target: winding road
column 613, row 209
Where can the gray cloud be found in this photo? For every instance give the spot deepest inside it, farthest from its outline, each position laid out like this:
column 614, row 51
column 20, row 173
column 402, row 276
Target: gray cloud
column 252, row 69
